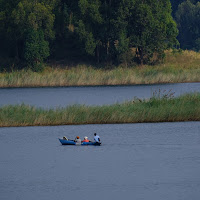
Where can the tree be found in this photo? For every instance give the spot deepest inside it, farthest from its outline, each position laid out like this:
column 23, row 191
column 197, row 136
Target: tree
column 188, row 21
column 7, row 28
column 176, row 3
column 20, row 16
column 101, row 30
column 152, row 29
column 36, row 49
column 90, row 21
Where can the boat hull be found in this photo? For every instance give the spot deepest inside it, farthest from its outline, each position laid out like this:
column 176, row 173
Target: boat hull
column 71, row 142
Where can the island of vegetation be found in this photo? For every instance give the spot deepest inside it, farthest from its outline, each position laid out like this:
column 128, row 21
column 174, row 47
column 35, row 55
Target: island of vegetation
column 159, row 108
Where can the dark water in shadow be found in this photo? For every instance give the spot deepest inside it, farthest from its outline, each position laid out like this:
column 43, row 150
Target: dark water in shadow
column 136, row 161
column 63, row 96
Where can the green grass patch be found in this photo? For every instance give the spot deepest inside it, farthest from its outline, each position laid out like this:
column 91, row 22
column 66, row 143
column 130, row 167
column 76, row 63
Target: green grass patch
column 159, row 108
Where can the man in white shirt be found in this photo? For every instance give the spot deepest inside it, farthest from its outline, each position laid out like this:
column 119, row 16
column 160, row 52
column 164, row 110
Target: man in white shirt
column 96, row 138
column 77, row 140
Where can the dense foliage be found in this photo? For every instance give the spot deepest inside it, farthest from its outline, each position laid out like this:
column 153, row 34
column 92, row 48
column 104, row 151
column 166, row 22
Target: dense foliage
column 188, row 21
column 26, row 27
column 104, row 31
column 176, row 3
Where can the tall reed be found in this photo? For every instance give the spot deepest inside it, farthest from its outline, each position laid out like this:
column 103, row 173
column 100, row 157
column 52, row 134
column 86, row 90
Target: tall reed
column 159, row 108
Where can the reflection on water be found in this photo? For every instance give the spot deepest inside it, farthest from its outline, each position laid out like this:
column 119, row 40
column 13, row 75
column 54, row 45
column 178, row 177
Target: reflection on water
column 54, row 97
column 136, row 161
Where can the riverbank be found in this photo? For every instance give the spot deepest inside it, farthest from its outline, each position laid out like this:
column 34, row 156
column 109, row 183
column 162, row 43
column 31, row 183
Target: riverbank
column 177, row 68
column 159, row 108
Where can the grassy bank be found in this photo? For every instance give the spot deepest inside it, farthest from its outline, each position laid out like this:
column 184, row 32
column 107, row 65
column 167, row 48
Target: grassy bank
column 157, row 109
column 178, row 67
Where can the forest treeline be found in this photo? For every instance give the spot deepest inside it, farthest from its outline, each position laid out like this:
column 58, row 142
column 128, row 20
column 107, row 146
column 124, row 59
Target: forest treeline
column 102, row 31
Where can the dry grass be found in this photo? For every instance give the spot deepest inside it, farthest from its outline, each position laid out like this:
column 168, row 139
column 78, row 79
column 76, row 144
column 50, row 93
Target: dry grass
column 178, row 67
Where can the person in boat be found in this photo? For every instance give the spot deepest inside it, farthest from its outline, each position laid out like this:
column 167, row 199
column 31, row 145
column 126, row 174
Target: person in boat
column 96, row 138
column 77, row 140
column 65, row 138
column 85, row 139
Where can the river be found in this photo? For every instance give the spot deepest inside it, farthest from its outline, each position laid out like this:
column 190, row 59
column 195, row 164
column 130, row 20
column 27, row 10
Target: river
column 144, row 161
column 150, row 161
column 63, row 96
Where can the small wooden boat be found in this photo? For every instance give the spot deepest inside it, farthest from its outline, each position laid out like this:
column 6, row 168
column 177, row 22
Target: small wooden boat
column 71, row 142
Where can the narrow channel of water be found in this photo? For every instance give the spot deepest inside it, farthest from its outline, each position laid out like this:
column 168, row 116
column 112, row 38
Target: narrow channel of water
column 63, row 96
column 153, row 161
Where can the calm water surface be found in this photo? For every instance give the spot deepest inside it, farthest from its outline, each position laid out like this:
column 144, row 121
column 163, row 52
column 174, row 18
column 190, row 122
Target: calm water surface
column 63, row 96
column 136, row 161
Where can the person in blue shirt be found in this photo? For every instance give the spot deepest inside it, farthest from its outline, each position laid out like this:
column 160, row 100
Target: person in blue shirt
column 96, row 138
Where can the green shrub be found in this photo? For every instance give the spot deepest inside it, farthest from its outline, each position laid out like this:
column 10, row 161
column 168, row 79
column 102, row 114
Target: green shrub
column 36, row 49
